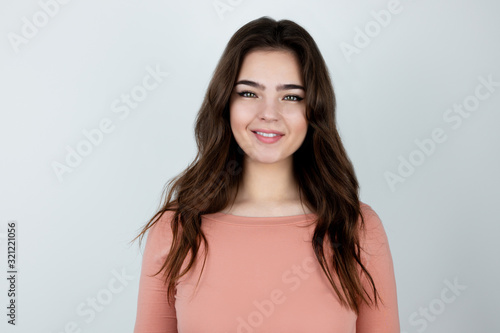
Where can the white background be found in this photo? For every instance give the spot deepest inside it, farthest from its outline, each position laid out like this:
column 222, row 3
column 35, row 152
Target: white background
column 73, row 233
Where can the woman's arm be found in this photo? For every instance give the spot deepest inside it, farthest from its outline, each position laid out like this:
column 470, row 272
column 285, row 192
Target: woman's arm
column 154, row 314
column 385, row 318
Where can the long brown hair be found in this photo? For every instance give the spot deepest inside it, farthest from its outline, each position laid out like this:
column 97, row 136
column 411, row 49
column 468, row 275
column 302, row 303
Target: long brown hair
column 321, row 166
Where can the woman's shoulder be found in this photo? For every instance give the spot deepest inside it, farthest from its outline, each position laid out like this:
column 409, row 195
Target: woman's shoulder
column 160, row 232
column 372, row 226
column 366, row 209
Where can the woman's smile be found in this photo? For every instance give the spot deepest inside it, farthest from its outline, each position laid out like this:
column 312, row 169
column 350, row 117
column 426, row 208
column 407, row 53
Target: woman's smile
column 267, row 137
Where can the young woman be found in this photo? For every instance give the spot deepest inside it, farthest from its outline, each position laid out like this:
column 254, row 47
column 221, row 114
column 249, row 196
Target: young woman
column 264, row 231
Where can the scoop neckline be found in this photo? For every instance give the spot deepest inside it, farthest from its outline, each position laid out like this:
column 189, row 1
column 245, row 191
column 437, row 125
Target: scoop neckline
column 259, row 220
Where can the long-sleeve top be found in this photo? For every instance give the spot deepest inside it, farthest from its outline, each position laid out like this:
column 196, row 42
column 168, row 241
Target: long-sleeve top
column 261, row 276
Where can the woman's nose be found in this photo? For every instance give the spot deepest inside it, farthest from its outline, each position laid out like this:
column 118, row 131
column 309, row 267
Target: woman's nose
column 270, row 109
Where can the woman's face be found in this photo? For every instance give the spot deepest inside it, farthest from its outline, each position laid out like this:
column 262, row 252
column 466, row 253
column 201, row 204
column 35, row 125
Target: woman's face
column 268, row 96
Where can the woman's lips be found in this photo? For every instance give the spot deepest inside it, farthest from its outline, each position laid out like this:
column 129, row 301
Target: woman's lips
column 266, row 139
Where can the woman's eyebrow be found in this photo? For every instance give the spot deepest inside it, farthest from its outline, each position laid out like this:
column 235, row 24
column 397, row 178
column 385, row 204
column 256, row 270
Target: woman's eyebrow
column 278, row 87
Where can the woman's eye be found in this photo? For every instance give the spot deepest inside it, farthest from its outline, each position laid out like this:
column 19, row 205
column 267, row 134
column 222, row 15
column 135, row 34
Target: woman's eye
column 249, row 94
column 293, row 98
column 246, row 94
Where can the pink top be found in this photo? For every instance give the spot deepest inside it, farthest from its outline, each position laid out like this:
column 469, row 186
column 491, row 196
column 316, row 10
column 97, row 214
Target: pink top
column 261, row 275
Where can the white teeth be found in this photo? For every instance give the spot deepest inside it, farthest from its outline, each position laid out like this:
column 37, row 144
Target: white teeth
column 270, row 135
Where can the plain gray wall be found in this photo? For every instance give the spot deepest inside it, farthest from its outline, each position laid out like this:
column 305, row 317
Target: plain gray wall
column 414, row 106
